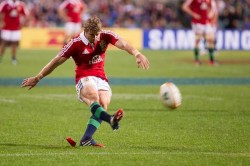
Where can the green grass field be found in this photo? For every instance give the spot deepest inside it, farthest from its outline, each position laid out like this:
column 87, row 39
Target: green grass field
column 211, row 127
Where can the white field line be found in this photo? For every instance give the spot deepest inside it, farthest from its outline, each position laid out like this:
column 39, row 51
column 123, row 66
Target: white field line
column 119, row 96
column 129, row 153
column 3, row 100
column 72, row 96
column 209, row 98
column 135, row 96
column 115, row 96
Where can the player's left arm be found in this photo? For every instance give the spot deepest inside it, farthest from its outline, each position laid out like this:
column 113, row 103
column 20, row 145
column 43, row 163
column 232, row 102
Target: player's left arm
column 1, row 20
column 141, row 60
column 25, row 15
column 62, row 12
column 213, row 12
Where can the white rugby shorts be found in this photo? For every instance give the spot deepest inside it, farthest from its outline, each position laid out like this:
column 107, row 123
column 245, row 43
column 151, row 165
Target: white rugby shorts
column 72, row 28
column 96, row 82
column 11, row 35
column 202, row 29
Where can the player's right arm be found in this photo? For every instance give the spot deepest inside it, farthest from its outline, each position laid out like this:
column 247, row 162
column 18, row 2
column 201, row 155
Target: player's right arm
column 62, row 14
column 62, row 11
column 54, row 63
column 141, row 60
column 186, row 8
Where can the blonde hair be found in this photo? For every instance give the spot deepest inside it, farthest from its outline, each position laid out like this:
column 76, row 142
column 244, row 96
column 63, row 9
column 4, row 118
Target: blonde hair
column 93, row 24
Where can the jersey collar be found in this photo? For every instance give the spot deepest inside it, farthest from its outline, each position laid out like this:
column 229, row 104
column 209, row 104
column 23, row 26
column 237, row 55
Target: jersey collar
column 84, row 39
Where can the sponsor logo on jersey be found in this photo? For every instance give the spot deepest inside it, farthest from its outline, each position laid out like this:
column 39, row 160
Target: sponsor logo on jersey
column 96, row 59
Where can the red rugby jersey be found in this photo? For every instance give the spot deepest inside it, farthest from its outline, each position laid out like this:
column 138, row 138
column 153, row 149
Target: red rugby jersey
column 89, row 58
column 13, row 11
column 201, row 7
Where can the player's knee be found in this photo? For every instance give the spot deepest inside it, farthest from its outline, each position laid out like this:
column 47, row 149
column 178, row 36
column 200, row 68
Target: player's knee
column 210, row 42
column 89, row 96
column 104, row 98
column 198, row 37
column 104, row 104
column 92, row 96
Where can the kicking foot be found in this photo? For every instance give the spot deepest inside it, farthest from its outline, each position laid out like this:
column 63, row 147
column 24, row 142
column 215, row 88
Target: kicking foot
column 91, row 142
column 114, row 122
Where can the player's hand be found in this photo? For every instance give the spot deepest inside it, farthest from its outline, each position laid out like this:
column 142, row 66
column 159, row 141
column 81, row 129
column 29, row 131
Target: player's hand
column 211, row 15
column 67, row 19
column 196, row 16
column 2, row 24
column 142, row 61
column 30, row 82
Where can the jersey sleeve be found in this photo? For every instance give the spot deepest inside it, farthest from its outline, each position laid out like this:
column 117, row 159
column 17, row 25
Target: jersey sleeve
column 68, row 50
column 110, row 36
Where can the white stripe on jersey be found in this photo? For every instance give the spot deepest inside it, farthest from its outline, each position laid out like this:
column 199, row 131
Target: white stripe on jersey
column 68, row 45
column 110, row 33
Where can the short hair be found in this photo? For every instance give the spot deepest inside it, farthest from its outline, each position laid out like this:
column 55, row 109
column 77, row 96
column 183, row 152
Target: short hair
column 93, row 24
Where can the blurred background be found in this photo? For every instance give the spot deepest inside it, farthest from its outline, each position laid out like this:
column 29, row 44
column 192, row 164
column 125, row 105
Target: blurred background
column 137, row 22
column 233, row 14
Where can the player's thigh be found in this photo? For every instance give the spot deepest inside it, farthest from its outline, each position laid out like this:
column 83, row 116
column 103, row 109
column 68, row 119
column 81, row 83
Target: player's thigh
column 104, row 92
column 87, row 90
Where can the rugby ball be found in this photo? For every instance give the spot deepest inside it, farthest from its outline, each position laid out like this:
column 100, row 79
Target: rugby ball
column 170, row 95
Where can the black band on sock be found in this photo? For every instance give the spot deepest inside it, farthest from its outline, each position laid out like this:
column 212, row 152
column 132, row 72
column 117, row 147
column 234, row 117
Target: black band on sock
column 99, row 112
